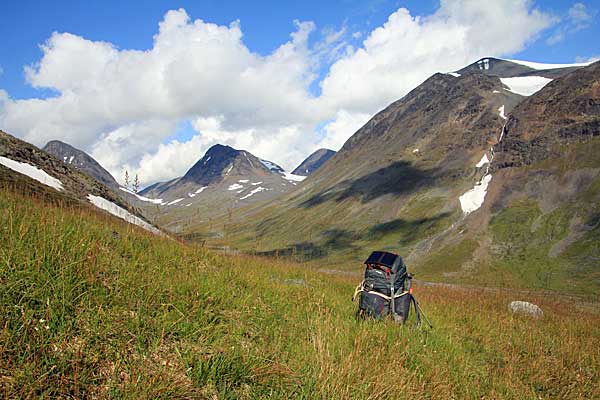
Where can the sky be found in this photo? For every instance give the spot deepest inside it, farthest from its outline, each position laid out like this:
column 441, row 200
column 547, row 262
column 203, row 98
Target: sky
column 149, row 86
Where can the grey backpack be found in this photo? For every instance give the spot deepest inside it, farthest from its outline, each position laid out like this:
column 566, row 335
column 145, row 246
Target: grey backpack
column 386, row 288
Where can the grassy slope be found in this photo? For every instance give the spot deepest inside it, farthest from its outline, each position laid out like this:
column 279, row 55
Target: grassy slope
column 515, row 248
column 522, row 235
column 90, row 306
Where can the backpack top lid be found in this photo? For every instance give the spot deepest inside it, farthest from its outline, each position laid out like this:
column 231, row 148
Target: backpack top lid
column 390, row 260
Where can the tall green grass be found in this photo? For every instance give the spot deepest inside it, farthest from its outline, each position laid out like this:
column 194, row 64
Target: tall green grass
column 92, row 307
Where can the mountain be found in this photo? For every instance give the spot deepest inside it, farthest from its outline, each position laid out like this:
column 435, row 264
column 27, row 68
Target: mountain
column 467, row 179
column 402, row 171
column 313, row 162
column 222, row 180
column 80, row 160
column 29, row 170
column 539, row 225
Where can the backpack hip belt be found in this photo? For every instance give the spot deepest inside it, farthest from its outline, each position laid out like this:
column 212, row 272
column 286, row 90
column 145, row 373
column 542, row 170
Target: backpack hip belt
column 360, row 288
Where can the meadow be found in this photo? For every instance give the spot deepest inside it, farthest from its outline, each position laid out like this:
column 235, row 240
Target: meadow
column 91, row 307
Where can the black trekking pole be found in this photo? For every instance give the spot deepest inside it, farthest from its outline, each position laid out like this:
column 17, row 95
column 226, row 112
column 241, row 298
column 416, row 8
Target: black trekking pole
column 418, row 309
column 423, row 314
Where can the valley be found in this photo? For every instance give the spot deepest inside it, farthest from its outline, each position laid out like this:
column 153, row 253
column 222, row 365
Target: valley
column 234, row 280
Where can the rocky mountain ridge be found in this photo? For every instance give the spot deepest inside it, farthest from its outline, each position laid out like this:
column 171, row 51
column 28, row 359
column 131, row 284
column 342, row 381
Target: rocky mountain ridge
column 26, row 168
column 80, row 160
column 313, row 162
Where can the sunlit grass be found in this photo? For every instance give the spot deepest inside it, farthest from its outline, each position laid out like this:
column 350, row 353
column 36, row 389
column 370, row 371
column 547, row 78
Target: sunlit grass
column 92, row 307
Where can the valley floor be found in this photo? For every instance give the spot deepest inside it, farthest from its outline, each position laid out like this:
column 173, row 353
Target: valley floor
column 92, row 307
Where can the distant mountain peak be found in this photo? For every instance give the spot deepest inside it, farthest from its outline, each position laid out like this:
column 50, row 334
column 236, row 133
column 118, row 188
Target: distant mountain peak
column 222, row 160
column 212, row 165
column 80, row 160
column 223, row 178
column 313, row 162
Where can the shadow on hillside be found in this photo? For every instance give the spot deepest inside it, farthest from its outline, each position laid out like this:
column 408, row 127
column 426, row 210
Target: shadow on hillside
column 333, row 240
column 411, row 230
column 397, row 178
column 593, row 221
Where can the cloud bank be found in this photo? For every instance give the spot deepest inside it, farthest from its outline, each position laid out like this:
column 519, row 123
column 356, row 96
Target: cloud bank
column 124, row 105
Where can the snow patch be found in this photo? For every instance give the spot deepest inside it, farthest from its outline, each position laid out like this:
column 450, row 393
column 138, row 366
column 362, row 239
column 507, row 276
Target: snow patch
column 175, row 201
column 71, row 159
column 495, row 91
column 244, row 181
column 473, row 199
column 197, row 191
column 207, row 160
column 32, row 172
column 142, row 198
column 415, row 151
column 484, row 64
column 501, row 112
column 229, row 170
column 253, row 192
column 525, row 85
column 235, row 186
column 454, row 74
column 246, row 155
column 293, row 178
column 271, row 166
column 536, row 65
column 117, row 211
column 256, row 183
column 484, row 160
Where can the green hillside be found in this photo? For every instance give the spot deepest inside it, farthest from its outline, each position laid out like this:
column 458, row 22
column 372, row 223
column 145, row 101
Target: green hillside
column 396, row 185
column 92, row 307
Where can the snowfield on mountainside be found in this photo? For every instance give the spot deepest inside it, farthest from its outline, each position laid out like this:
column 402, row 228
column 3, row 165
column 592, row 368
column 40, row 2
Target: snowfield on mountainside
column 117, row 211
column 32, row 172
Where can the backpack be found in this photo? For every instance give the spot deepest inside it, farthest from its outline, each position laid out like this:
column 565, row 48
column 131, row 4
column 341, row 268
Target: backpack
column 386, row 288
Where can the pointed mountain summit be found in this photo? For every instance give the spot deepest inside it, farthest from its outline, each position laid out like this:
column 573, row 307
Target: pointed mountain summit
column 313, row 162
column 223, row 179
column 80, row 160
column 220, row 161
column 220, row 164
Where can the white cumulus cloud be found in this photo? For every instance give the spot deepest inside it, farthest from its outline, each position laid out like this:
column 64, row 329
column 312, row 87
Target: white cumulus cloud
column 124, row 105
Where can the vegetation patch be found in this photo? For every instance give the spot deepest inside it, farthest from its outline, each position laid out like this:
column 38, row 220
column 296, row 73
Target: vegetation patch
column 92, row 307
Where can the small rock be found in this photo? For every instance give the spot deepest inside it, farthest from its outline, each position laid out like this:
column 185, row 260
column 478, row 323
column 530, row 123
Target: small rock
column 295, row 282
column 523, row 307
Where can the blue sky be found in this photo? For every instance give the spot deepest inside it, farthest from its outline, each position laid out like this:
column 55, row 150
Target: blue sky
column 27, row 24
column 266, row 24
column 289, row 78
